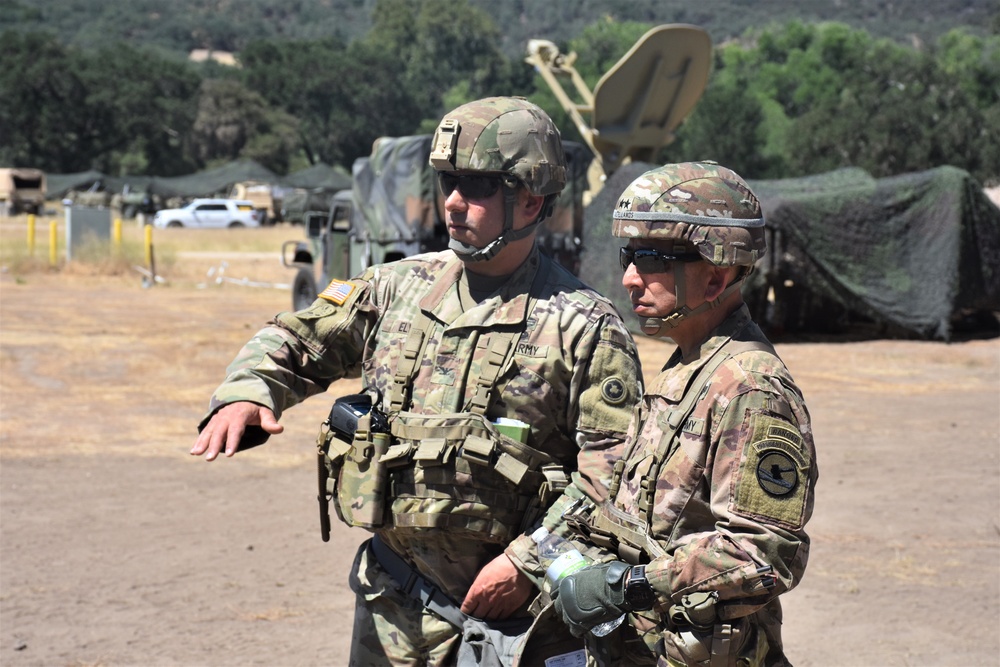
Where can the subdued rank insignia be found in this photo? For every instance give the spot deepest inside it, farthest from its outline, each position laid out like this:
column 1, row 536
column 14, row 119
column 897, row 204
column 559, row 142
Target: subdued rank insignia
column 613, row 390
column 338, row 292
column 771, row 477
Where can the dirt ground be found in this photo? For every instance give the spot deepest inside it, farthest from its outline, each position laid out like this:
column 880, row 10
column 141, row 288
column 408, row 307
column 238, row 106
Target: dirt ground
column 118, row 548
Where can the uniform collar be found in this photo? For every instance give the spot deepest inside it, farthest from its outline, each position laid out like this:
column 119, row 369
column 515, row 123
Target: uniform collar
column 509, row 305
column 673, row 381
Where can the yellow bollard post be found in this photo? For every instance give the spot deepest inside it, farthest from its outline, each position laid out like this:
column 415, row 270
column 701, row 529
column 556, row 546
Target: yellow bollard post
column 149, row 246
column 31, row 235
column 116, row 234
column 52, row 244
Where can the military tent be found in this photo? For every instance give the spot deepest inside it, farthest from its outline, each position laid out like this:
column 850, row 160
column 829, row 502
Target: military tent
column 319, row 175
column 60, row 184
column 207, row 183
column 905, row 256
column 212, row 181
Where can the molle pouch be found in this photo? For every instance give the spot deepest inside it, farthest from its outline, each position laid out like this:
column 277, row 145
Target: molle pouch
column 363, row 478
column 330, row 452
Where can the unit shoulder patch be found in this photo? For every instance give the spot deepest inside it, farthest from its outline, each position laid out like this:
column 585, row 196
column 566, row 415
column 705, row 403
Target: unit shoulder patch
column 774, row 472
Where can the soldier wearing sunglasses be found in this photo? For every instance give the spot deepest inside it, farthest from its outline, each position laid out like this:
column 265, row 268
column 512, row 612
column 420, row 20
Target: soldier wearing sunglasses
column 704, row 526
column 507, row 386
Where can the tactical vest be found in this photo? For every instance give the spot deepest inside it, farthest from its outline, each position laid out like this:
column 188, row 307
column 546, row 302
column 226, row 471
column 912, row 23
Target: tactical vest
column 629, row 535
column 702, row 632
column 455, row 471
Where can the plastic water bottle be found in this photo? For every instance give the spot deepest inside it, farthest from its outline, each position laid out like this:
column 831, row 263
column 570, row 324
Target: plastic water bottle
column 566, row 559
column 607, row 627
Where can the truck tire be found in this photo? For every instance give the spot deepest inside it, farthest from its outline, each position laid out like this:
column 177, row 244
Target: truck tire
column 303, row 289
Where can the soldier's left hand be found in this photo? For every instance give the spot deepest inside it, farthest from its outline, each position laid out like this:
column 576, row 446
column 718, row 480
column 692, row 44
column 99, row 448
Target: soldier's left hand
column 592, row 596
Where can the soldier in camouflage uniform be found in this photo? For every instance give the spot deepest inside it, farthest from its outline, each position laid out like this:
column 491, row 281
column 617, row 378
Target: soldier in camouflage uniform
column 704, row 526
column 453, row 341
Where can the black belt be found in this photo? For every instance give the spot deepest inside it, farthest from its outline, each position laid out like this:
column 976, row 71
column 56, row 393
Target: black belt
column 413, row 585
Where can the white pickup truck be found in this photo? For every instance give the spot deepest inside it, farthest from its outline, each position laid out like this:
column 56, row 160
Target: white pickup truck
column 209, row 214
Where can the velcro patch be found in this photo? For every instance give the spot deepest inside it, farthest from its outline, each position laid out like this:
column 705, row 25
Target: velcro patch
column 338, row 292
column 534, row 351
column 774, row 472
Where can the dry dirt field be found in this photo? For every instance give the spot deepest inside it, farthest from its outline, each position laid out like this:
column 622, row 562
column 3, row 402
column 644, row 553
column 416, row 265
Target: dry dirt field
column 118, row 548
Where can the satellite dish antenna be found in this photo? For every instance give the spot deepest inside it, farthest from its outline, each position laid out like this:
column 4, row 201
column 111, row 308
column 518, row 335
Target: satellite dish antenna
column 638, row 104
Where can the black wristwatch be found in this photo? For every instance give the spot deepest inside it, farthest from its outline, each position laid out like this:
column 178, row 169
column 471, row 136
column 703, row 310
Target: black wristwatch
column 639, row 595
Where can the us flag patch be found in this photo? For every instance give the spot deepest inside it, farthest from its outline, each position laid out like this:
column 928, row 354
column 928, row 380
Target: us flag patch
column 338, row 292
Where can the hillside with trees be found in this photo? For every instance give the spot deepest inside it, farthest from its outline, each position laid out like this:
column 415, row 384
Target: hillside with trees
column 183, row 25
column 108, row 85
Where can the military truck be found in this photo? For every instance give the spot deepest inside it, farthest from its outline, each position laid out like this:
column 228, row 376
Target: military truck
column 394, row 210
column 22, row 190
column 135, row 199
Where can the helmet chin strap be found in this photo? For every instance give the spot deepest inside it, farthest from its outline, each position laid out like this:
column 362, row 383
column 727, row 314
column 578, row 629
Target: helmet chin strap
column 470, row 253
column 660, row 326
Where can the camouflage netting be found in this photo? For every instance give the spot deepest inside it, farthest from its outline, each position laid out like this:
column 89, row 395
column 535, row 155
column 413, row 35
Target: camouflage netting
column 910, row 254
column 319, row 176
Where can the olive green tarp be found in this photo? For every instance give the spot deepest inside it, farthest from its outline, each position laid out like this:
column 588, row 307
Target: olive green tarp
column 319, row 175
column 207, row 183
column 911, row 254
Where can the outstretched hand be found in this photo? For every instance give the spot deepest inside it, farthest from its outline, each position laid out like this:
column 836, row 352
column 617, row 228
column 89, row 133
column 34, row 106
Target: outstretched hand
column 224, row 430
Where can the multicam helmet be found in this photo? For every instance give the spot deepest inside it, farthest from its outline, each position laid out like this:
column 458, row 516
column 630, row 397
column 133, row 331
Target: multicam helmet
column 701, row 204
column 698, row 205
column 509, row 137
column 502, row 135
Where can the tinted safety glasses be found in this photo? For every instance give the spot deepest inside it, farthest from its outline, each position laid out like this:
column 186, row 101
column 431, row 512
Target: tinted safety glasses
column 471, row 186
column 647, row 260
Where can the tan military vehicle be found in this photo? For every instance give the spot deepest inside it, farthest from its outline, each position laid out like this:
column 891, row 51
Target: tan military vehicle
column 22, row 190
column 262, row 196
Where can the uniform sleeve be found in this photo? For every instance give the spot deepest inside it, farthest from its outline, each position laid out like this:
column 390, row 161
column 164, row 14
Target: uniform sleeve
column 761, row 478
column 605, row 390
column 299, row 354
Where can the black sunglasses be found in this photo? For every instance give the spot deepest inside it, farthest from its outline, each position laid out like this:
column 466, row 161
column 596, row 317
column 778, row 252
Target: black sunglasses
column 647, row 260
column 473, row 186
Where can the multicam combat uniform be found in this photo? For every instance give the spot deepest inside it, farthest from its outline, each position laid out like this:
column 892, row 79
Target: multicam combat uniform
column 710, row 503
column 574, row 377
column 734, row 478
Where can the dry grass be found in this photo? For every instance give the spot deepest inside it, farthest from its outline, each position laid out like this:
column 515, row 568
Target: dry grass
column 185, row 255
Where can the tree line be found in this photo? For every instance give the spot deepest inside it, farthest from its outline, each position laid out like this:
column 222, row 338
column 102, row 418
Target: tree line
column 786, row 100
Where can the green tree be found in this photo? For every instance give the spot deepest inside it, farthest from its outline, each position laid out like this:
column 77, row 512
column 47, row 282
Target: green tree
column 146, row 104
column 115, row 109
column 830, row 96
column 725, row 126
column 438, row 44
column 234, row 122
column 40, row 121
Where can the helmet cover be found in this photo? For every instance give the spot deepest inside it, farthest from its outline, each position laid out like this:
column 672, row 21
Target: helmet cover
column 700, row 204
column 502, row 135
